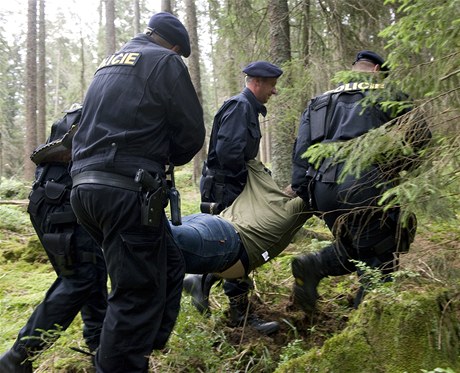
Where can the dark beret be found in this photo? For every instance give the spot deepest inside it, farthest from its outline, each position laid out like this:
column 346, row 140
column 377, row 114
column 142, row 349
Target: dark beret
column 172, row 30
column 372, row 57
column 262, row 69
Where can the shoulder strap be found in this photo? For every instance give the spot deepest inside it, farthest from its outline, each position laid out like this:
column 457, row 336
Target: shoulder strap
column 58, row 145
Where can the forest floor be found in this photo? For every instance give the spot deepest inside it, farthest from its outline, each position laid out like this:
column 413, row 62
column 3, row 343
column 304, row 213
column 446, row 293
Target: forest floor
column 208, row 344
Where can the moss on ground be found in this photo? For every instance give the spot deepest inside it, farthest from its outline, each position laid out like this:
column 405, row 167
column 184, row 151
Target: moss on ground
column 400, row 334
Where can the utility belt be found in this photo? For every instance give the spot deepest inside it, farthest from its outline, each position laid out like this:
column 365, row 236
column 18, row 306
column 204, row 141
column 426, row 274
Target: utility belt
column 326, row 173
column 217, row 176
column 153, row 188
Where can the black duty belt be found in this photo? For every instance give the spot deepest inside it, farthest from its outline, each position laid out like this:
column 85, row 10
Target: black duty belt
column 106, row 178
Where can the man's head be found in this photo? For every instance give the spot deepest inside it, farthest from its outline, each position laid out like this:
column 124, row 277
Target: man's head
column 261, row 78
column 369, row 61
column 171, row 31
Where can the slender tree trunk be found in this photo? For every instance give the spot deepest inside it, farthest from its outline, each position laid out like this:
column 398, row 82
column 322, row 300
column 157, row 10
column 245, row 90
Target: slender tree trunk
column 283, row 132
column 41, row 70
column 110, row 35
column 137, row 17
column 166, row 6
column 191, row 24
column 31, row 89
column 306, row 31
column 57, row 82
column 82, row 67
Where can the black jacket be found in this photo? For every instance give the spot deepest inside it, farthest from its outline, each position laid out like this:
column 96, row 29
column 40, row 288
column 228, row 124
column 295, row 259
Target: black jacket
column 141, row 111
column 336, row 115
column 235, row 139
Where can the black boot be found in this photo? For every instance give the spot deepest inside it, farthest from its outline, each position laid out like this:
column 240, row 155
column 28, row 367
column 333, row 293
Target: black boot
column 199, row 287
column 306, row 270
column 15, row 361
column 309, row 269
column 240, row 312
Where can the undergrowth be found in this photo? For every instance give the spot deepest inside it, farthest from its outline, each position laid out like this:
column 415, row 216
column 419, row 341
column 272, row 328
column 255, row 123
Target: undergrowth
column 207, row 344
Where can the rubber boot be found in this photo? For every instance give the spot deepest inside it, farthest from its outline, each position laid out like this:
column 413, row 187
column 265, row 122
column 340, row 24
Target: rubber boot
column 15, row 361
column 199, row 287
column 240, row 312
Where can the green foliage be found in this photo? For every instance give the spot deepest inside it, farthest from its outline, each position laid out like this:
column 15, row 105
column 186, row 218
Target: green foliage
column 13, row 219
column 424, row 42
column 13, row 189
column 292, row 350
column 285, row 108
column 11, row 129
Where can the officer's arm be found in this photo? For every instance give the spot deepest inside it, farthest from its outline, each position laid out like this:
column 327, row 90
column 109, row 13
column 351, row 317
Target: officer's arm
column 299, row 164
column 185, row 116
column 231, row 137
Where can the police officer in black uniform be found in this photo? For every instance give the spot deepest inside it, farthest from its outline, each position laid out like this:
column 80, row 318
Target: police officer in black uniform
column 141, row 112
column 235, row 139
column 362, row 230
column 81, row 285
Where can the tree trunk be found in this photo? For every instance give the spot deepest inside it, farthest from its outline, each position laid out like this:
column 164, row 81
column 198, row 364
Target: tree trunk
column 137, row 17
column 283, row 132
column 57, row 80
column 191, row 24
column 82, row 67
column 166, row 6
column 306, row 31
column 110, row 38
column 31, row 89
column 41, row 76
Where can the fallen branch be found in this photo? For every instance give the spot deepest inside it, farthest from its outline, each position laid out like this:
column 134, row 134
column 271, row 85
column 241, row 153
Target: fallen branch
column 20, row 202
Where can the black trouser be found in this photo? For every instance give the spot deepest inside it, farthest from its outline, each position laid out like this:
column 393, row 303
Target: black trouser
column 363, row 231
column 80, row 286
column 146, row 271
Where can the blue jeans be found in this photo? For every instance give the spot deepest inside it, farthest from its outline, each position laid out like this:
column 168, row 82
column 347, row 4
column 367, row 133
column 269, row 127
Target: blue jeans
column 208, row 243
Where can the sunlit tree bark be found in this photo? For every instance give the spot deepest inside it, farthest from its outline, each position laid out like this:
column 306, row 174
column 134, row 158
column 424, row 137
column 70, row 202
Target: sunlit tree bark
column 41, row 77
column 31, row 89
column 191, row 23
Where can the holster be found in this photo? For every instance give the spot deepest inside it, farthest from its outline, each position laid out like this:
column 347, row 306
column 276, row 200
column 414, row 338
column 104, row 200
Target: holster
column 152, row 208
column 154, row 198
column 212, row 194
column 207, row 183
